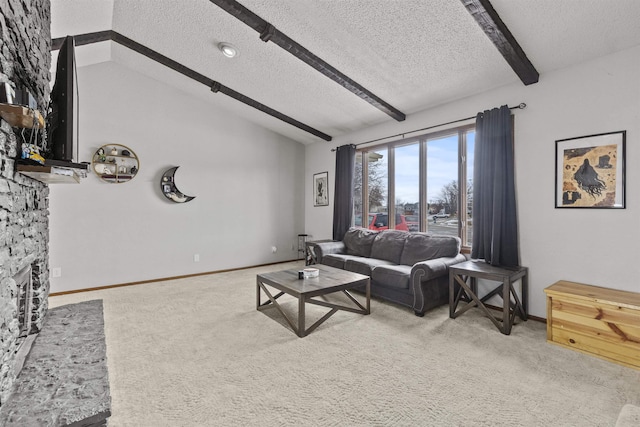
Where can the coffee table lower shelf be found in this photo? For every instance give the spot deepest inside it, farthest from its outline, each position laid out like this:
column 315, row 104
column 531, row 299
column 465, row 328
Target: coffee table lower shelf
column 330, row 280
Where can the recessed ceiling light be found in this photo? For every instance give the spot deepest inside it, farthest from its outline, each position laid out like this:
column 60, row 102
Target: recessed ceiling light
column 228, row 49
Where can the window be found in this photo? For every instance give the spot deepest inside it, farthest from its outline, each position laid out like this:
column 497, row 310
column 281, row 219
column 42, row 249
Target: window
column 407, row 185
column 423, row 177
column 470, row 143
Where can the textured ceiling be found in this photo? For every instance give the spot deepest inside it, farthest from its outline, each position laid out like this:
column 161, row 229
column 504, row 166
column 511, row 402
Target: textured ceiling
column 414, row 54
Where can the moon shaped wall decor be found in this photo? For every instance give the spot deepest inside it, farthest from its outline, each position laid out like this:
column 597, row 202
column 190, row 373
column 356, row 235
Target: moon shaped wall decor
column 169, row 189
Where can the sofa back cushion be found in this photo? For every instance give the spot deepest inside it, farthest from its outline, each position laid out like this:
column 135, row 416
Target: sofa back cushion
column 388, row 245
column 422, row 246
column 358, row 241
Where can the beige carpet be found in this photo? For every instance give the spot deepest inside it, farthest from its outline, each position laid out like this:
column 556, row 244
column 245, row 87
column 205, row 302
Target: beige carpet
column 195, row 352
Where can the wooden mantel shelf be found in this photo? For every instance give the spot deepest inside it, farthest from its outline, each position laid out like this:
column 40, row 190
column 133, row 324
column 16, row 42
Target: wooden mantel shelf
column 21, row 117
column 53, row 172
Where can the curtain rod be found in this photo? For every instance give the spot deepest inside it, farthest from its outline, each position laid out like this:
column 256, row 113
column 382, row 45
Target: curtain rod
column 520, row 106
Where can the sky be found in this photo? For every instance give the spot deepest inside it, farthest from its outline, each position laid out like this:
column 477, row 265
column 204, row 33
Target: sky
column 442, row 166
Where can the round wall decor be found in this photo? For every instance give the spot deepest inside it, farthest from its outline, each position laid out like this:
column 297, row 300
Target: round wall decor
column 115, row 163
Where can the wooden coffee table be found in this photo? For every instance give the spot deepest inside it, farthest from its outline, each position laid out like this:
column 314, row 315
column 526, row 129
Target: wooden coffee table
column 329, row 281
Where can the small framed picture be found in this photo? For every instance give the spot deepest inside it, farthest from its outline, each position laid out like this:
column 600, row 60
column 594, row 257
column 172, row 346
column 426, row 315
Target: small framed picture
column 166, row 188
column 590, row 171
column 321, row 189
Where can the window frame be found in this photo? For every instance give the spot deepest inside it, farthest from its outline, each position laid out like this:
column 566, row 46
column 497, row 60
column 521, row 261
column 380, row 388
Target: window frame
column 422, row 140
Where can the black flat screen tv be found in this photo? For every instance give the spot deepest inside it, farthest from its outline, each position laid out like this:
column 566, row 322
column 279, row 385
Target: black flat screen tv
column 62, row 115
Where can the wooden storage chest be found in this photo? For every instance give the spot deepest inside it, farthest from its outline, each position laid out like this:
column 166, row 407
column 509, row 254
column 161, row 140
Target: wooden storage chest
column 599, row 321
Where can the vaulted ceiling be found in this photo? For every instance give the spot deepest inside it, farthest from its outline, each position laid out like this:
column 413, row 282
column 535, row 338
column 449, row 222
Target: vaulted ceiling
column 395, row 57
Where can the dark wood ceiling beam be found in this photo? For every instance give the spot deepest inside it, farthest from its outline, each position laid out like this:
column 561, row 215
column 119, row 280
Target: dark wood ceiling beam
column 161, row 59
column 215, row 87
column 270, row 33
column 490, row 22
column 278, row 115
column 82, row 39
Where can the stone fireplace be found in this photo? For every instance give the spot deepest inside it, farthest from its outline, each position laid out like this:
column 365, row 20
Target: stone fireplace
column 25, row 60
column 59, row 385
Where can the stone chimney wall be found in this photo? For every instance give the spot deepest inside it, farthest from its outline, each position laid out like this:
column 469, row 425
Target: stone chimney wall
column 25, row 58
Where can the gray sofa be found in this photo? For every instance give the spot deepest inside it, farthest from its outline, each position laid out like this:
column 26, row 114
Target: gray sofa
column 411, row 269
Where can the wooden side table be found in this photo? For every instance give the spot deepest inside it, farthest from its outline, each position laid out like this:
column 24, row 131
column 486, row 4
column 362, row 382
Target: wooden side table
column 466, row 274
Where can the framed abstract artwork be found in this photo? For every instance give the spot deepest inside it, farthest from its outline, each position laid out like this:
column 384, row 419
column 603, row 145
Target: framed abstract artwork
column 590, row 171
column 321, row 189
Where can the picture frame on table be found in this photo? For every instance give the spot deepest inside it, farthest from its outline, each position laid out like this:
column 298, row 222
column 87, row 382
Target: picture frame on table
column 590, row 171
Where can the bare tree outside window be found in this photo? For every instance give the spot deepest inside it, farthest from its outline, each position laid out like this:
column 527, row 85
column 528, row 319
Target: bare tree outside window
column 448, row 198
column 377, row 183
column 378, row 175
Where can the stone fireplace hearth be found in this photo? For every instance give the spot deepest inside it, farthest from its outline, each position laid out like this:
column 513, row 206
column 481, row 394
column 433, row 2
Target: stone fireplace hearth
column 65, row 379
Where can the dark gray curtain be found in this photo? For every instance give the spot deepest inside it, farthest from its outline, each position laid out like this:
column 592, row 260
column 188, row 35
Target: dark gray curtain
column 495, row 227
column 343, row 194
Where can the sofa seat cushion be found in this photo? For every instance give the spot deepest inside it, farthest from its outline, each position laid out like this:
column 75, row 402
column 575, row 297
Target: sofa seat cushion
column 393, row 276
column 337, row 260
column 388, row 245
column 422, row 247
column 359, row 240
column 364, row 265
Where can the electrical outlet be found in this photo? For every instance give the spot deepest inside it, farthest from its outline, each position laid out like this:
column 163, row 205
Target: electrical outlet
column 196, row 258
column 274, row 249
column 56, row 272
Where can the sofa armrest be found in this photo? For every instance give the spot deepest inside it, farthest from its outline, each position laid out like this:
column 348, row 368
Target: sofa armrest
column 433, row 268
column 424, row 271
column 325, row 248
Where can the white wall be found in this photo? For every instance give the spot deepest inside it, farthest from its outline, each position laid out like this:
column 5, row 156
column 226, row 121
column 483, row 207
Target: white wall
column 593, row 246
column 248, row 184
